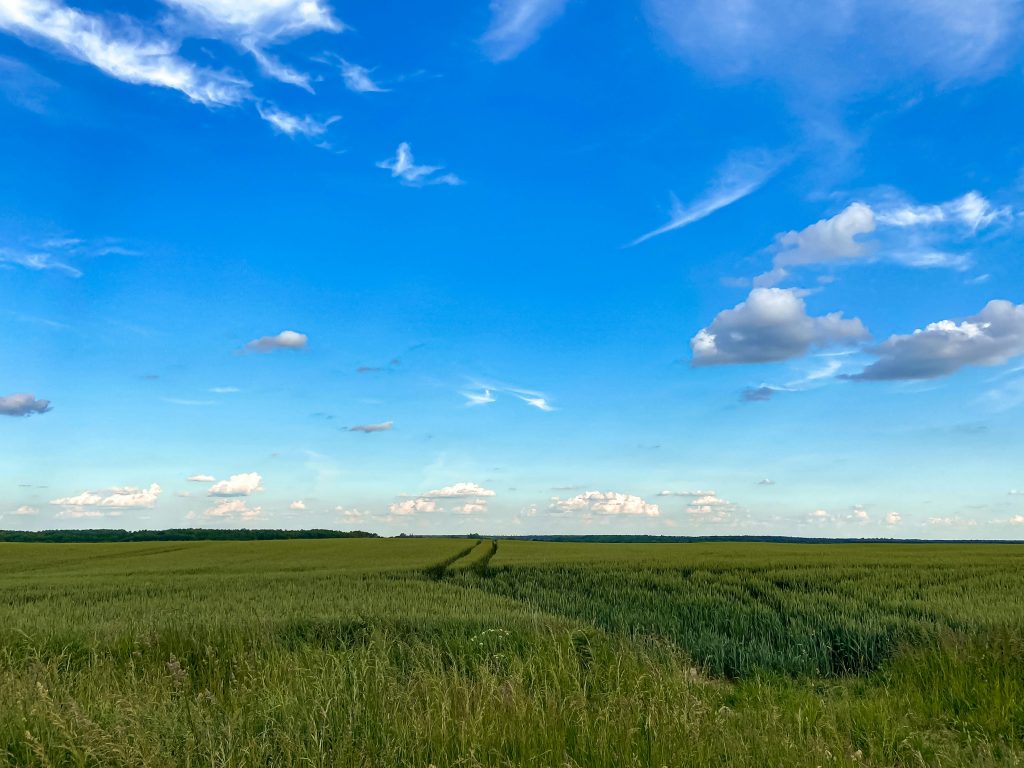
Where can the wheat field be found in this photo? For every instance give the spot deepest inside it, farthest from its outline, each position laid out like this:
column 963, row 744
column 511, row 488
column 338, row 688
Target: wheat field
column 455, row 652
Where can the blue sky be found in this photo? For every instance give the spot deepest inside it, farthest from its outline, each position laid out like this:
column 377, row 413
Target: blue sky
column 523, row 266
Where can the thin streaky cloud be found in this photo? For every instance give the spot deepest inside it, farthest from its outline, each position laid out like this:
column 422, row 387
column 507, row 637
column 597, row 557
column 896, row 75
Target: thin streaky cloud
column 741, row 175
column 367, row 429
column 130, row 53
column 358, row 79
column 516, row 25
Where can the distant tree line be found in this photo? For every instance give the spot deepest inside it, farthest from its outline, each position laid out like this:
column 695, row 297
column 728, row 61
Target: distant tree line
column 177, row 534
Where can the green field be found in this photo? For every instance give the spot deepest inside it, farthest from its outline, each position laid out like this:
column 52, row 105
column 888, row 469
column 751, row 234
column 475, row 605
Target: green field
column 417, row 652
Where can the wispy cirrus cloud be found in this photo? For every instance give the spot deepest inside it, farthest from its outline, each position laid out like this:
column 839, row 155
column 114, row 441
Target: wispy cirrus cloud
column 404, row 168
column 359, row 79
column 257, row 25
column 60, row 254
column 741, row 175
column 485, row 394
column 830, row 50
column 293, row 125
column 516, row 25
column 121, row 48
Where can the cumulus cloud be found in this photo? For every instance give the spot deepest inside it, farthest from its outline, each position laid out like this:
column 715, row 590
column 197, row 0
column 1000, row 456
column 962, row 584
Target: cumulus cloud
column 292, row 125
column 22, row 404
column 404, row 168
column 244, row 484
column 474, row 507
column 231, row 509
column 25, row 511
column 407, row 507
column 283, row 340
column 358, row 79
column 893, row 518
column 711, row 508
column 894, row 230
column 120, row 48
column 516, row 25
column 459, row 490
column 742, row 175
column 298, row 506
column 125, row 497
column 202, row 479
column 383, row 426
column 771, row 325
column 992, row 337
column 605, row 503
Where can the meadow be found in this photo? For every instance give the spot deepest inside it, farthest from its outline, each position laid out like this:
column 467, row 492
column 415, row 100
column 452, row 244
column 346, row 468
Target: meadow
column 454, row 652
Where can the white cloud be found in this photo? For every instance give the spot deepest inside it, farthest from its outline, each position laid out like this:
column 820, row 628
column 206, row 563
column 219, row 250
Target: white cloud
column 686, row 494
column 255, row 25
column 244, row 484
column 711, row 508
column 126, row 497
column 458, row 490
column 292, row 125
column 992, row 337
column 383, row 426
column 25, row 511
column 830, row 50
column 22, row 404
column 1016, row 520
column 972, row 211
column 224, row 390
column 516, row 25
column 474, row 507
column 771, row 325
column 489, row 393
column 119, row 47
column 605, row 503
column 358, row 80
column 858, row 514
column 479, row 398
column 919, row 236
column 283, row 340
column 403, row 167
column 742, row 175
column 298, row 506
column 37, row 261
column 893, row 518
column 351, row 515
column 202, row 479
column 412, row 506
column 766, row 481
column 230, row 509
column 954, row 521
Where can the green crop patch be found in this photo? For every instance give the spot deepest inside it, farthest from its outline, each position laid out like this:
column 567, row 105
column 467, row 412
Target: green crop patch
column 455, row 652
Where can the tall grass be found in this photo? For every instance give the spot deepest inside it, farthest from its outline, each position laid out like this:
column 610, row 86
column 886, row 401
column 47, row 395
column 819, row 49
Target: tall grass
column 326, row 654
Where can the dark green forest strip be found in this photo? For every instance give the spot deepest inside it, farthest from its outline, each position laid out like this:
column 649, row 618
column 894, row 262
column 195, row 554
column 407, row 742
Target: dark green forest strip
column 106, row 535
